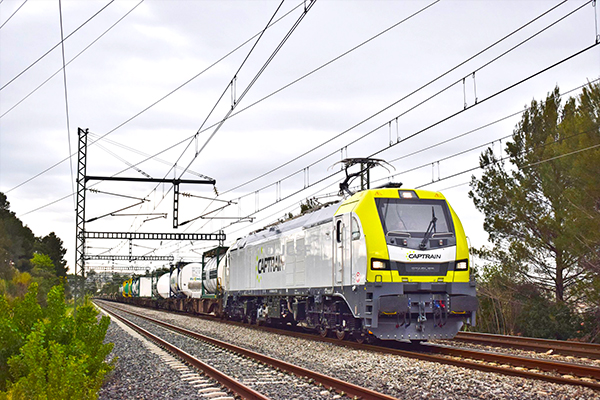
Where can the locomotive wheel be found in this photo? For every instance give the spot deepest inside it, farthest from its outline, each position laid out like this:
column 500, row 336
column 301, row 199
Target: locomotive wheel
column 364, row 338
column 340, row 335
column 323, row 331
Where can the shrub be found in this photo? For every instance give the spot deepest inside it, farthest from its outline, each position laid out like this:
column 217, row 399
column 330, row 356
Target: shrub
column 48, row 354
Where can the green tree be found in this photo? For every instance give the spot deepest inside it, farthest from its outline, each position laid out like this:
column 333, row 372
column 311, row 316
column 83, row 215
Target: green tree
column 52, row 245
column 542, row 201
column 526, row 213
column 16, row 240
column 583, row 198
column 43, row 273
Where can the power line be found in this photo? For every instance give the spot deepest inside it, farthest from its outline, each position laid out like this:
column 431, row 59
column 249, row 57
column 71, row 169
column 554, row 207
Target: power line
column 62, row 42
column 482, row 127
column 401, row 99
column 523, row 167
column 443, row 120
column 437, row 122
column 55, row 46
column 70, row 61
column 152, row 105
column 254, row 79
column 423, row 130
column 485, row 99
column 290, row 84
column 236, row 101
column 230, row 84
column 12, row 15
column 134, row 150
column 312, row 72
column 389, row 178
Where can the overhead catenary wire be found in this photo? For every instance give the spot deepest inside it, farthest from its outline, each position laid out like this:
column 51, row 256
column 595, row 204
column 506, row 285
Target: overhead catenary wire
column 483, row 127
column 486, row 145
column 401, row 99
column 465, row 109
column 13, row 14
column 429, row 127
column 55, row 46
column 232, row 82
column 404, row 97
column 70, row 61
column 522, row 167
column 297, row 80
column 62, row 42
column 151, row 106
column 439, row 121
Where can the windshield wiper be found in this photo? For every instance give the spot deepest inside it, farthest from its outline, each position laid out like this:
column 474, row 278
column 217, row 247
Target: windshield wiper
column 430, row 230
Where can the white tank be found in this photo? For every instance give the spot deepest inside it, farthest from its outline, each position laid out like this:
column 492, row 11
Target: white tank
column 210, row 276
column 190, row 280
column 162, row 286
column 174, row 282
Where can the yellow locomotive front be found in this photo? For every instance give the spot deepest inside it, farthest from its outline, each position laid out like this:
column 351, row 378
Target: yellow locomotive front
column 418, row 282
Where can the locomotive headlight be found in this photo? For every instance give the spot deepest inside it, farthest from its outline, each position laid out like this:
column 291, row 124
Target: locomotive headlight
column 462, row 265
column 380, row 264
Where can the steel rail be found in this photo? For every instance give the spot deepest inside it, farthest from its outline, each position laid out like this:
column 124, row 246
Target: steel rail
column 342, row 387
column 577, row 349
column 564, row 368
column 240, row 389
column 428, row 352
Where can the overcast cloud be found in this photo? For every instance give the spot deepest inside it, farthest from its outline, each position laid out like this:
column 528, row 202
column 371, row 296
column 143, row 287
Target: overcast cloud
column 161, row 45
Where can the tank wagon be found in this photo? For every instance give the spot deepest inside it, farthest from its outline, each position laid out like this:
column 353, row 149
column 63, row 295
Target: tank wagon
column 388, row 263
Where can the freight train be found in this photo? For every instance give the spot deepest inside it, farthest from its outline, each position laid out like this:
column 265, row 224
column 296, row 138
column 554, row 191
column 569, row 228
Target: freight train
column 386, row 263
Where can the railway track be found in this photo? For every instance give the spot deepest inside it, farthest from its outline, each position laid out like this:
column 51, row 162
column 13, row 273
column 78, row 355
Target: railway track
column 575, row 349
column 526, row 367
column 227, row 354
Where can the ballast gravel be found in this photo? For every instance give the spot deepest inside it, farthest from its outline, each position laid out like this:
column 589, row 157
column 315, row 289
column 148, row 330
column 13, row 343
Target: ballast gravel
column 140, row 373
column 401, row 377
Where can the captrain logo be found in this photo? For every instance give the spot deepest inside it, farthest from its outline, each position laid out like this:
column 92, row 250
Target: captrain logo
column 414, row 256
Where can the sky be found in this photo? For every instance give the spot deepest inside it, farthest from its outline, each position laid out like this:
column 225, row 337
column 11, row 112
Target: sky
column 433, row 86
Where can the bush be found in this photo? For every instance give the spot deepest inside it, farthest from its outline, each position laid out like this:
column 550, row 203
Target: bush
column 47, row 354
column 542, row 318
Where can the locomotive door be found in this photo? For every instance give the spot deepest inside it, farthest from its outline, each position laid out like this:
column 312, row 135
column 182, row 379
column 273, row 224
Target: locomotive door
column 342, row 263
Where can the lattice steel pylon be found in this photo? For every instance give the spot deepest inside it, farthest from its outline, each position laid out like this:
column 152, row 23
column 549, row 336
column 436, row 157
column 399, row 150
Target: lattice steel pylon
column 80, row 211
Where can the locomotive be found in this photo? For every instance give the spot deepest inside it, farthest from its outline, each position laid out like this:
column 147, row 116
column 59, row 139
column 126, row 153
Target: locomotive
column 386, row 263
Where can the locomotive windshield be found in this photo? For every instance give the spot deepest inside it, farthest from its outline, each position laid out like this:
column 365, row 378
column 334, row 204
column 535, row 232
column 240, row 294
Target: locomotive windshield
column 412, row 218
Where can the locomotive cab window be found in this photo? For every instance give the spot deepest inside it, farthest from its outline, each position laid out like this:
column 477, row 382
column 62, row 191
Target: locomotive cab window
column 408, row 222
column 339, row 228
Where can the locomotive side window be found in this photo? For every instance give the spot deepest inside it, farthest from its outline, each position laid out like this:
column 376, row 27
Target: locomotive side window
column 355, row 229
column 339, row 231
